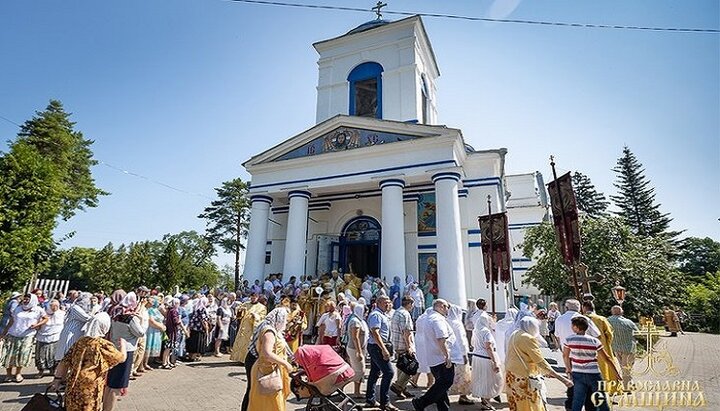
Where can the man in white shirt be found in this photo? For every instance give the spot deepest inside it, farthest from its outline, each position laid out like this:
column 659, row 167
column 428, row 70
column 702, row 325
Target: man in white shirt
column 563, row 325
column 329, row 325
column 439, row 336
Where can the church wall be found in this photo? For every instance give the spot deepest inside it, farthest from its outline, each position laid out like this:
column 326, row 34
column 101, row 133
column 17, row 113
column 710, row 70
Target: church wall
column 277, row 230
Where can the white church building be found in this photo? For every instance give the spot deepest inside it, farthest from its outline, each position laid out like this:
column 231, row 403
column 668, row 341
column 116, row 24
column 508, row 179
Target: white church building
column 377, row 187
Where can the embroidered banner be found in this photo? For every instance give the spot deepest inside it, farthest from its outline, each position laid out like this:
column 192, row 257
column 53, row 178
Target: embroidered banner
column 495, row 241
column 568, row 233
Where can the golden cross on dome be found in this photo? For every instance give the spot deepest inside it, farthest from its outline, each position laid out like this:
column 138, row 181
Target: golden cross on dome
column 378, row 9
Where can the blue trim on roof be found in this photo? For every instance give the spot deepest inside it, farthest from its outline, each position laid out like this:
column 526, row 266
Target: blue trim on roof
column 359, row 173
column 474, row 231
column 475, row 244
column 299, row 193
column 446, row 175
column 427, row 246
column 427, row 234
column 521, row 259
column 392, row 182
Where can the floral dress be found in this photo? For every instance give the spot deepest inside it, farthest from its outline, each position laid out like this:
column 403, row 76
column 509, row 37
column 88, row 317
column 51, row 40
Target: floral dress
column 88, row 363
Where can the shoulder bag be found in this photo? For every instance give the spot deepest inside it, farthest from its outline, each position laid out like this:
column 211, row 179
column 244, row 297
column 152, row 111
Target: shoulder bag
column 271, row 383
column 535, row 382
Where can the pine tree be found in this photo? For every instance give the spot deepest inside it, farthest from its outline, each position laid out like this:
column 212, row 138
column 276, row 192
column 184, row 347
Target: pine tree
column 636, row 199
column 52, row 133
column 588, row 198
column 227, row 220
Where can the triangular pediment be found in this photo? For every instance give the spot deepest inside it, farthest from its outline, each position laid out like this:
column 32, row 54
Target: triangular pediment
column 343, row 133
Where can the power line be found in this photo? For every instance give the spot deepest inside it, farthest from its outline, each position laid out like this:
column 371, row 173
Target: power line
column 130, row 173
column 486, row 19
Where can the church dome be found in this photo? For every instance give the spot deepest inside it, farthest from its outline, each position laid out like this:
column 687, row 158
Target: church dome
column 368, row 26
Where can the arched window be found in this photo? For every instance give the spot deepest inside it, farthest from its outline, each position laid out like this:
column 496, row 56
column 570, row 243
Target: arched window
column 361, row 229
column 366, row 90
column 425, row 101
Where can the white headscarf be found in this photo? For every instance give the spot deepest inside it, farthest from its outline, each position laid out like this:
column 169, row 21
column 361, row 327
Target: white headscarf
column 32, row 303
column 459, row 347
column 359, row 311
column 277, row 318
column 98, row 326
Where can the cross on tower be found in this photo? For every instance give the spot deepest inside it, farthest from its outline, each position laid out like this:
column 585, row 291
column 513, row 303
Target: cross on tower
column 378, row 9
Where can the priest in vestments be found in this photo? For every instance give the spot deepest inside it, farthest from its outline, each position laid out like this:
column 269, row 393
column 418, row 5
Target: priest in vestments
column 251, row 315
column 608, row 370
column 297, row 322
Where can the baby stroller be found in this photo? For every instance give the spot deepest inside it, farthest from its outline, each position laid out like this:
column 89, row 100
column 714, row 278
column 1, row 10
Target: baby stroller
column 321, row 379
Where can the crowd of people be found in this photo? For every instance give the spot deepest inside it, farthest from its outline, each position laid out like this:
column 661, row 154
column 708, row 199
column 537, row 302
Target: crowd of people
column 94, row 345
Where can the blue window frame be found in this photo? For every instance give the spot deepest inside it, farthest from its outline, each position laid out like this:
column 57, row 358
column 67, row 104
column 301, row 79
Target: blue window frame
column 366, row 90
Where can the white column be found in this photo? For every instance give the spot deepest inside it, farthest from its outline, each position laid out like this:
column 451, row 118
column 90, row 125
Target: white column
column 451, row 265
column 392, row 244
column 296, row 237
column 257, row 238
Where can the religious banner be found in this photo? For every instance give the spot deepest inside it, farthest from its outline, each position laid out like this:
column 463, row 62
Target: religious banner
column 565, row 218
column 495, row 242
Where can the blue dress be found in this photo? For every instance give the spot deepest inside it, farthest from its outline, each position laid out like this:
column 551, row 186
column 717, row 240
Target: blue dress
column 154, row 336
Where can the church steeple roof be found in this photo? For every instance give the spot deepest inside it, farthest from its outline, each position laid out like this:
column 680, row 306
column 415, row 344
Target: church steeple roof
column 368, row 26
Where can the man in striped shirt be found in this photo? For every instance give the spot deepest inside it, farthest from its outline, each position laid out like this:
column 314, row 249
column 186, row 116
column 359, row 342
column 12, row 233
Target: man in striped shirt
column 580, row 353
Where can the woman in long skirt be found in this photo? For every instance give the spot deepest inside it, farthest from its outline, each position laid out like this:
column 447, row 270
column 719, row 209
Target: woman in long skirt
column 487, row 377
column 199, row 327
column 47, row 339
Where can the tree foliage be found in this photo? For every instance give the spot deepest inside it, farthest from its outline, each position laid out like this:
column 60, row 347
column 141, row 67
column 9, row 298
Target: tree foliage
column 703, row 302
column 45, row 175
column 227, row 220
column 182, row 260
column 589, row 200
column 636, row 199
column 52, row 134
column 698, row 257
column 613, row 252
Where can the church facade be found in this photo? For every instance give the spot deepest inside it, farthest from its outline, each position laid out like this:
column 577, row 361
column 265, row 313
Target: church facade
column 377, row 187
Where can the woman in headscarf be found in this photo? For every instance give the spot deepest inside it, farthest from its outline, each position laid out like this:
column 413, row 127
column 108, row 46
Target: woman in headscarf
column 199, row 328
column 416, row 294
column 357, row 339
column 459, row 356
column 222, row 329
column 77, row 316
column 85, row 367
column 271, row 355
column 95, row 305
column 173, row 330
column 155, row 331
column 212, row 311
column 524, row 360
column 487, row 377
column 17, row 351
column 500, row 331
column 126, row 325
column 395, row 296
column 47, row 338
column 366, row 292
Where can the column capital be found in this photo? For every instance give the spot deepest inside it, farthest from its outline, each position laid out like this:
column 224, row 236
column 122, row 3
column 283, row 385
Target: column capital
column 446, row 175
column 261, row 199
column 392, row 182
column 299, row 193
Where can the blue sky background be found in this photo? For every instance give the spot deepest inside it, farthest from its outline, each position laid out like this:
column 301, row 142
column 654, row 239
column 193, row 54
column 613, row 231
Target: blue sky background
column 184, row 91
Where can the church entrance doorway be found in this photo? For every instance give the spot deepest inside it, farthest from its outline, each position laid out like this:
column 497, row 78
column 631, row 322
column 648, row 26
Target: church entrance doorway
column 360, row 247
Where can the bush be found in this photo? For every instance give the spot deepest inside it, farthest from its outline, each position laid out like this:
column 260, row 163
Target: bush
column 702, row 304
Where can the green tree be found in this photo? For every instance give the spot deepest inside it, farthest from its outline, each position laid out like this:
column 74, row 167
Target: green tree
column 227, row 220
column 703, row 301
column 105, row 272
column 52, row 133
column 589, row 200
column 612, row 252
column 29, row 203
column 698, row 257
column 75, row 265
column 636, row 199
column 186, row 261
column 140, row 264
column 44, row 175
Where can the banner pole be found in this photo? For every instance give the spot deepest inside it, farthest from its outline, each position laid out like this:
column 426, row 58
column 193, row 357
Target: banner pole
column 563, row 232
column 490, row 258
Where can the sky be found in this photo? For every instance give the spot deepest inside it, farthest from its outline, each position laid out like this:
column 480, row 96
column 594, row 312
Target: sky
column 182, row 92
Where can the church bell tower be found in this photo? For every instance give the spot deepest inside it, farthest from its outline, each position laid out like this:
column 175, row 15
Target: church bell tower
column 381, row 69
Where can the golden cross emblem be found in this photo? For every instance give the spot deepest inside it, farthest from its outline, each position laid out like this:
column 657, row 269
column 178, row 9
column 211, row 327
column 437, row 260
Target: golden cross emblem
column 655, row 354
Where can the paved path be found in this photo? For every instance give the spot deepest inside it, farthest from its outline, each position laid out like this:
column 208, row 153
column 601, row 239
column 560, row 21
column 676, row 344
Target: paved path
column 217, row 384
